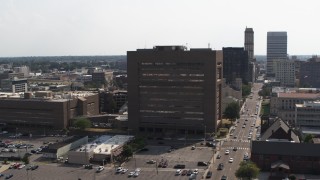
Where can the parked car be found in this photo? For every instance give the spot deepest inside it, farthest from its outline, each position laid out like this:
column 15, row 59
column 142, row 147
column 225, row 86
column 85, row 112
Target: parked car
column 9, row 176
column 179, row 166
column 218, row 156
column 201, row 163
column 184, row 172
column 119, row 169
column 209, row 174
column 131, row 174
column 99, row 169
column 178, row 172
column 88, row 166
column 193, row 176
column 151, row 162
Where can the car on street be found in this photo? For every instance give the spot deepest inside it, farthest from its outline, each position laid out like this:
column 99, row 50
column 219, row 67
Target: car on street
column 227, row 152
column 224, row 177
column 235, row 148
column 244, row 126
column 193, row 148
column 230, row 160
column 220, row 166
column 209, row 174
column 218, row 156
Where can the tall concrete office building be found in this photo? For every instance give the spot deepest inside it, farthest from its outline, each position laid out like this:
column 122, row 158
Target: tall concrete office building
column 249, row 42
column 172, row 90
column 276, row 49
column 249, row 47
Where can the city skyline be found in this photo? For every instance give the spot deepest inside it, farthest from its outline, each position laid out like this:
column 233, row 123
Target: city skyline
column 61, row 28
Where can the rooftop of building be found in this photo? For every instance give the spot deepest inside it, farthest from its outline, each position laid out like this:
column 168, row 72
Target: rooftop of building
column 52, row 148
column 53, row 96
column 316, row 140
column 294, row 95
column 285, row 148
column 309, row 104
column 275, row 126
column 105, row 144
column 310, row 130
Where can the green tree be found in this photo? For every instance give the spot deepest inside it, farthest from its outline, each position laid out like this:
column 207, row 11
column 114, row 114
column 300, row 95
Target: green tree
column 246, row 90
column 247, row 170
column 82, row 123
column 127, row 151
column 292, row 177
column 25, row 159
column 232, row 111
column 308, row 138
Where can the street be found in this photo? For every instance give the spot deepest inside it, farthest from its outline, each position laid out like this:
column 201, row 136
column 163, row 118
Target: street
column 239, row 137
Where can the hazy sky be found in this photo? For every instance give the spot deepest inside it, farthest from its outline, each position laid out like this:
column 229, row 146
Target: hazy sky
column 112, row 27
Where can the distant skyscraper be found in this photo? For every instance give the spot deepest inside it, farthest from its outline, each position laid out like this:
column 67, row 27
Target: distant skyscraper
column 249, row 42
column 276, row 49
column 249, row 47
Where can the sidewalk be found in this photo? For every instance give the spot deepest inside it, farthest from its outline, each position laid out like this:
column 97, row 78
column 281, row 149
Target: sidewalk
column 4, row 167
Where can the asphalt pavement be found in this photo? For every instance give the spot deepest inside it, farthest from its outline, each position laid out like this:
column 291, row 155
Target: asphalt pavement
column 238, row 137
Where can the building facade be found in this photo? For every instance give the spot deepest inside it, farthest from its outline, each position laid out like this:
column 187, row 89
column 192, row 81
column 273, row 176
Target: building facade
column 283, row 104
column 285, row 72
column 14, row 85
column 249, row 43
column 301, row 158
column 235, row 64
column 308, row 114
column 276, row 49
column 46, row 112
column 309, row 73
column 174, row 90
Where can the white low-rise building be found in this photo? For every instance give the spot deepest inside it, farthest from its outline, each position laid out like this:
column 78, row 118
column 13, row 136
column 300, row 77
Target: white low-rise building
column 103, row 149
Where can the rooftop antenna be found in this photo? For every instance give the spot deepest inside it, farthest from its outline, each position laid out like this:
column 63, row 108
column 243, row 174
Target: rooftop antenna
column 145, row 44
column 186, row 46
column 208, row 45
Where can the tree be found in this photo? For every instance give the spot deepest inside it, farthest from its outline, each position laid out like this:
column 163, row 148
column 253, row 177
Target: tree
column 82, row 123
column 25, row 159
column 247, row 170
column 308, row 138
column 292, row 177
column 246, row 90
column 127, row 151
column 232, row 111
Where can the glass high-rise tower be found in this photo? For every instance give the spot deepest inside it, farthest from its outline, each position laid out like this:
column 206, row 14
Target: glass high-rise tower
column 276, row 49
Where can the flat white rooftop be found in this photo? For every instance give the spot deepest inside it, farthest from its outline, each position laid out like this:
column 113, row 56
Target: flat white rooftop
column 105, row 144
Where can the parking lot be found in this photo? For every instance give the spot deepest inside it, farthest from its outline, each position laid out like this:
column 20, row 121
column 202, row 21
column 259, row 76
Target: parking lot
column 49, row 170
